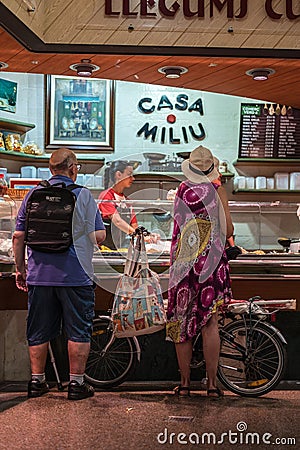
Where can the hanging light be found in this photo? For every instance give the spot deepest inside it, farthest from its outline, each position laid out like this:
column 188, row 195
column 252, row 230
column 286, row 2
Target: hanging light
column 85, row 68
column 260, row 74
column 172, row 71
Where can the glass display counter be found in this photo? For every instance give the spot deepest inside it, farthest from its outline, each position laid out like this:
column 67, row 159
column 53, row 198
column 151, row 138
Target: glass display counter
column 8, row 211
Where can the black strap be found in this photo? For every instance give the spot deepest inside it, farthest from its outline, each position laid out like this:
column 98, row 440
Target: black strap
column 70, row 187
column 202, row 172
column 73, row 186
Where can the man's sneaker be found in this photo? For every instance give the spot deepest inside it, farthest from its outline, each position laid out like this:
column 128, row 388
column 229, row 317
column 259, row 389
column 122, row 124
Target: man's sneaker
column 37, row 388
column 78, row 391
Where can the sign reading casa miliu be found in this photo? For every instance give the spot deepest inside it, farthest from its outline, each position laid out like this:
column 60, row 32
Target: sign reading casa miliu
column 235, row 9
column 178, row 119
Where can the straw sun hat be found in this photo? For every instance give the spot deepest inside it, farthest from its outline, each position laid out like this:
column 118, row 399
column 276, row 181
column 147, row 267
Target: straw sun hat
column 201, row 166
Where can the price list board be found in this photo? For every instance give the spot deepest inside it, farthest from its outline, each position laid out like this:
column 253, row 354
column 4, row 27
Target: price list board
column 269, row 131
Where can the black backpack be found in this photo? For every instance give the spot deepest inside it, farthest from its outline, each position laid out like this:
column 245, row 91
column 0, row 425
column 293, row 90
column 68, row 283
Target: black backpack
column 49, row 215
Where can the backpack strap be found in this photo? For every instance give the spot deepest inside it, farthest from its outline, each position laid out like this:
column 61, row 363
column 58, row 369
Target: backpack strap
column 73, row 186
column 70, row 187
column 44, row 183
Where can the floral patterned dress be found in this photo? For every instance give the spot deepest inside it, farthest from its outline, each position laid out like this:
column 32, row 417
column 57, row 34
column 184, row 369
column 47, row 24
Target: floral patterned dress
column 199, row 272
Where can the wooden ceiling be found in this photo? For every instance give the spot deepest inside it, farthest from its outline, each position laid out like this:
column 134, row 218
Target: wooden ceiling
column 220, row 74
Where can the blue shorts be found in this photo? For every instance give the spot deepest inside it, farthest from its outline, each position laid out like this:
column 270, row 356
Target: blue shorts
column 50, row 307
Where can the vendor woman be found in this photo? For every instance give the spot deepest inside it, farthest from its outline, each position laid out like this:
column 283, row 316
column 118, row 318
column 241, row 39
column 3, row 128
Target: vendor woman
column 118, row 216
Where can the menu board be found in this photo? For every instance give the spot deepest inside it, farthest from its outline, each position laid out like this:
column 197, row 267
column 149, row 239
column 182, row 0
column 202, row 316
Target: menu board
column 269, row 131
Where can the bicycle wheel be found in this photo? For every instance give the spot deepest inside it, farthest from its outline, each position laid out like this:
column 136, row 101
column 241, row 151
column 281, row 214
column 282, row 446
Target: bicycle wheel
column 109, row 368
column 252, row 359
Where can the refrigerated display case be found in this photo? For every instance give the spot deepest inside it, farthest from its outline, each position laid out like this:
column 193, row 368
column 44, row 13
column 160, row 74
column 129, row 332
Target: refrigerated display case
column 8, row 212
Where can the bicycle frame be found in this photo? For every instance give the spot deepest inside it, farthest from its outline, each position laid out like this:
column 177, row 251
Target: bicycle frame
column 113, row 337
column 247, row 308
column 251, row 311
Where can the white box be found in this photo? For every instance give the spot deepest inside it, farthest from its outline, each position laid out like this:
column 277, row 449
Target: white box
column 80, row 179
column 89, row 180
column 44, row 173
column 281, row 180
column 250, row 183
column 98, row 181
column 270, row 183
column 260, row 183
column 295, row 181
column 240, row 182
column 28, row 172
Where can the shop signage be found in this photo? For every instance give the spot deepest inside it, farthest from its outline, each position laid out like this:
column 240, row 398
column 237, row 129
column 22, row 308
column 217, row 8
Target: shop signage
column 171, row 133
column 235, row 9
column 269, row 131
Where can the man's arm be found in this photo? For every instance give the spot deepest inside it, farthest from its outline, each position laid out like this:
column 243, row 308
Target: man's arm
column 97, row 237
column 19, row 253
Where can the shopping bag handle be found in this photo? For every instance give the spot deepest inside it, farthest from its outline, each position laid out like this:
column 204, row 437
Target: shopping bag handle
column 136, row 259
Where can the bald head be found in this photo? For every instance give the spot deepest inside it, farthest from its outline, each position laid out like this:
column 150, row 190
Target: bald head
column 61, row 160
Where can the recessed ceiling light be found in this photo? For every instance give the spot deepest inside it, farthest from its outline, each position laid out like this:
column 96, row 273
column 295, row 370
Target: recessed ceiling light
column 172, row 71
column 261, row 74
column 3, row 65
column 85, row 68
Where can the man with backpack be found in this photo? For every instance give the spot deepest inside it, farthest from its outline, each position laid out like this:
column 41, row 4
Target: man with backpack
column 59, row 224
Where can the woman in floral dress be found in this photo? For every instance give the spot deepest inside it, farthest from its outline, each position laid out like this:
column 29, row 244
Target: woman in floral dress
column 199, row 273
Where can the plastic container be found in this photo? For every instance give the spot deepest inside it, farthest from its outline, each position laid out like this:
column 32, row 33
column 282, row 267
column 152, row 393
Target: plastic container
column 43, row 173
column 80, row 179
column 270, row 183
column 250, row 183
column 260, row 183
column 89, row 180
column 295, row 181
column 98, row 181
column 240, row 182
column 28, row 172
column 281, row 180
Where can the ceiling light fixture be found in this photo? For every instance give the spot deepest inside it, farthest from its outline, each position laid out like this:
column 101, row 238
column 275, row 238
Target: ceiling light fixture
column 31, row 5
column 172, row 71
column 260, row 74
column 85, row 68
column 3, row 65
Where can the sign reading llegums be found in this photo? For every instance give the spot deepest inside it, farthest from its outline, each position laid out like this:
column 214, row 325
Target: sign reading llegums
column 236, row 9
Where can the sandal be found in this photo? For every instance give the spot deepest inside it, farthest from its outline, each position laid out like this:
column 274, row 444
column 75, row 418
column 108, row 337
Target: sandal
column 215, row 393
column 178, row 389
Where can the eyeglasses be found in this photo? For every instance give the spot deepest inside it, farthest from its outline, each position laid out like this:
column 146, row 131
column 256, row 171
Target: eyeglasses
column 78, row 166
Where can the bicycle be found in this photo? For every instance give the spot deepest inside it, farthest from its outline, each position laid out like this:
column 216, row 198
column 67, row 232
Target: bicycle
column 253, row 353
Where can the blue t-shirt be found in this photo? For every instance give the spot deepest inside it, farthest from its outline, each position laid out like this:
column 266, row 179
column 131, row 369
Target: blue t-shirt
column 73, row 267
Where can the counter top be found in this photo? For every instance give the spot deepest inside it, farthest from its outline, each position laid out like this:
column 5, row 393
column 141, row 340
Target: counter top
column 272, row 265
